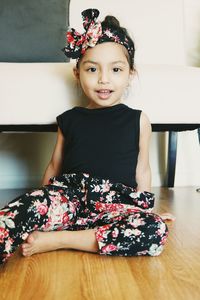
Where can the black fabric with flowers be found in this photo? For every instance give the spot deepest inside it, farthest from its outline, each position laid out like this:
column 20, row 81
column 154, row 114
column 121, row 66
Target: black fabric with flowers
column 94, row 34
column 121, row 217
column 95, row 140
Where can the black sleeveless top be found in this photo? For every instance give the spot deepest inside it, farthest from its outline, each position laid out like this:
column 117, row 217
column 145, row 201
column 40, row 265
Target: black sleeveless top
column 103, row 142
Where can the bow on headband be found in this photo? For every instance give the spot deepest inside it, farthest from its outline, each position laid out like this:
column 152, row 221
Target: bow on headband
column 77, row 43
column 95, row 32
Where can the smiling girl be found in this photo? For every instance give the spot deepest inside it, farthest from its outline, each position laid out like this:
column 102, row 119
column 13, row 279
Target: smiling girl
column 96, row 192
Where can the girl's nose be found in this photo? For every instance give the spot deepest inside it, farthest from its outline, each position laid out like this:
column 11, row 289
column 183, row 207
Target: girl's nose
column 103, row 78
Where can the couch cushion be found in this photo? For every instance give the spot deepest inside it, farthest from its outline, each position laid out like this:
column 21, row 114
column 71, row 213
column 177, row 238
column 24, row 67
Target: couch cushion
column 35, row 93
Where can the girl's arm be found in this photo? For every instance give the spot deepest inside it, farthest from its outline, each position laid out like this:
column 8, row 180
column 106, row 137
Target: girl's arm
column 55, row 164
column 143, row 171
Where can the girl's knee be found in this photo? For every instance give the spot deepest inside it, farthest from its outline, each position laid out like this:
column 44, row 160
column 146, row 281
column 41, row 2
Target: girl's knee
column 157, row 236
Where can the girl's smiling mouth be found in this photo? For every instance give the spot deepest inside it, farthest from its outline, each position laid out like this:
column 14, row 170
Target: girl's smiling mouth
column 104, row 93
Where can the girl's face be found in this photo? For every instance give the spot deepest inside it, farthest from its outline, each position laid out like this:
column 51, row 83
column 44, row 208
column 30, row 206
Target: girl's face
column 104, row 73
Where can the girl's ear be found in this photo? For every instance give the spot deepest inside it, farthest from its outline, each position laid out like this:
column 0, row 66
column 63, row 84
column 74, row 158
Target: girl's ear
column 76, row 73
column 131, row 75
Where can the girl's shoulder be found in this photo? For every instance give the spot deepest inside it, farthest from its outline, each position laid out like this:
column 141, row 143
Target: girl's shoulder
column 67, row 112
column 145, row 124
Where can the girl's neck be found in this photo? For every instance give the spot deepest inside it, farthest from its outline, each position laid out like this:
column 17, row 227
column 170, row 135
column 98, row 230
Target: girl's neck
column 90, row 106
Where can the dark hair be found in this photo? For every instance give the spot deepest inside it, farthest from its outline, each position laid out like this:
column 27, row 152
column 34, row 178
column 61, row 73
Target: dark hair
column 111, row 21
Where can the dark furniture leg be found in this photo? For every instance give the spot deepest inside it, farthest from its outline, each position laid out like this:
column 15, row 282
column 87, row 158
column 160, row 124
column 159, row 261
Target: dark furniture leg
column 198, row 190
column 171, row 164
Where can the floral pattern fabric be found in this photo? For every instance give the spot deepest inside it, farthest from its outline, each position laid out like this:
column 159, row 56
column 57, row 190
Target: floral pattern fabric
column 121, row 216
column 95, row 33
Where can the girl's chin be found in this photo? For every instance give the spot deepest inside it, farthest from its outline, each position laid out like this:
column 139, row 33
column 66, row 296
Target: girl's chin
column 99, row 104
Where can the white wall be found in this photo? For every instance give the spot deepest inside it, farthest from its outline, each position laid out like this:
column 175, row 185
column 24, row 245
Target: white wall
column 24, row 156
column 156, row 26
column 192, row 31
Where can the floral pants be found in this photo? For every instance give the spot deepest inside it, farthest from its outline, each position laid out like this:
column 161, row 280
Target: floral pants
column 121, row 217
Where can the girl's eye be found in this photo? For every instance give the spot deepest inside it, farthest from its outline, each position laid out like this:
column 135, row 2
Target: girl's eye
column 116, row 70
column 92, row 69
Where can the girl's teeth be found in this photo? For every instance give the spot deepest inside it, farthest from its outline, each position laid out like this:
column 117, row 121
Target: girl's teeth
column 104, row 94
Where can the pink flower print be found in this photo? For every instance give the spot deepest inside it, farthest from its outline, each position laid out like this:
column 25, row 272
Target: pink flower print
column 115, row 232
column 82, row 221
column 155, row 250
column 96, row 188
column 42, row 209
column 37, row 193
column 134, row 195
column 53, row 198
column 163, row 240
column 8, row 245
column 157, row 218
column 70, row 37
column 85, row 22
column 99, row 206
column 72, row 208
column 99, row 235
column 58, row 183
column 109, row 197
column 106, row 226
column 112, row 193
column 133, row 210
column 129, row 232
column 116, row 39
column 103, row 231
column 65, row 218
column 145, row 205
column 59, row 228
column 108, row 33
column 106, row 186
column 80, row 41
column 12, row 215
column 3, row 234
column 136, row 232
column 162, row 229
column 64, row 199
column 136, row 222
column 109, row 248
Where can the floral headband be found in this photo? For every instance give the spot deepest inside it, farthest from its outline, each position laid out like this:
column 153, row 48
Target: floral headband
column 95, row 33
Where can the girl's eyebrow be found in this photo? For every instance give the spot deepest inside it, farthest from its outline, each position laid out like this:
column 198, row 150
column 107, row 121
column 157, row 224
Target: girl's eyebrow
column 90, row 62
column 112, row 63
column 119, row 62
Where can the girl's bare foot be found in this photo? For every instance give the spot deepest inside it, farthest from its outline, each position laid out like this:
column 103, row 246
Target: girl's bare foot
column 38, row 242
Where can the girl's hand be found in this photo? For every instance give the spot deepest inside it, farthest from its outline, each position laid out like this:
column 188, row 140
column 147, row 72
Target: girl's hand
column 167, row 216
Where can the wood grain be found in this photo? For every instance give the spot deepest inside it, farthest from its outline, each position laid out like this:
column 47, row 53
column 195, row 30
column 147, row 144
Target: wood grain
column 70, row 274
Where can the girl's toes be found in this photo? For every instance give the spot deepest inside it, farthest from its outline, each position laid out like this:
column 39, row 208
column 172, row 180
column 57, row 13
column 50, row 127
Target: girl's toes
column 30, row 238
column 27, row 252
column 24, row 252
column 26, row 249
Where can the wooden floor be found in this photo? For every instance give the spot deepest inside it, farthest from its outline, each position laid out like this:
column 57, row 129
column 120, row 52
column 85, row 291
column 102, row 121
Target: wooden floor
column 174, row 275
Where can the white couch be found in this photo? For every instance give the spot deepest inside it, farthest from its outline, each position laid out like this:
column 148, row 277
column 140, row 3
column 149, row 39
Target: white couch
column 35, row 93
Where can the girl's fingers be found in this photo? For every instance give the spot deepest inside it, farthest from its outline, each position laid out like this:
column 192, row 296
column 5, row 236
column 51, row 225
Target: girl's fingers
column 167, row 216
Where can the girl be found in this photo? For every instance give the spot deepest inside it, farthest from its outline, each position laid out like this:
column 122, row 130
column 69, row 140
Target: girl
column 96, row 193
